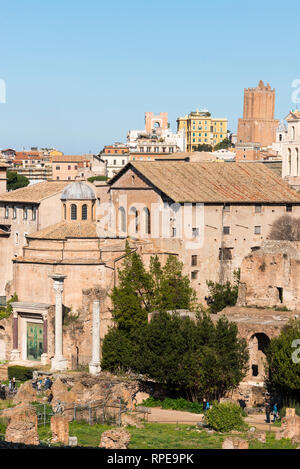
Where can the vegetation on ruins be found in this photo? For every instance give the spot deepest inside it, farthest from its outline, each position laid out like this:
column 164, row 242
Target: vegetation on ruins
column 222, row 295
column 16, row 181
column 225, row 417
column 285, row 228
column 98, row 178
column 283, row 362
column 6, row 311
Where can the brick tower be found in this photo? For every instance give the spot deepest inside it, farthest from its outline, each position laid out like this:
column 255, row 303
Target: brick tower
column 257, row 128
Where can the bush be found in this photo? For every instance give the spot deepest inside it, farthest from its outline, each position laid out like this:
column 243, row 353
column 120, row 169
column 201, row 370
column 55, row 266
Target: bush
column 225, row 417
column 174, row 404
column 97, row 178
column 21, row 373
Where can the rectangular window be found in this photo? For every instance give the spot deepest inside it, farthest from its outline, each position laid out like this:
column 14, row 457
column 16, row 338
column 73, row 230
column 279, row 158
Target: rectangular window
column 257, row 208
column 257, row 230
column 14, row 213
column 289, row 208
column 33, row 213
column 17, row 238
column 195, row 232
column 69, row 167
column 173, row 232
column 225, row 254
column 57, row 167
column 6, row 211
column 226, row 208
column 194, row 260
column 226, row 230
column 194, row 274
column 115, row 162
column 123, row 162
column 25, row 213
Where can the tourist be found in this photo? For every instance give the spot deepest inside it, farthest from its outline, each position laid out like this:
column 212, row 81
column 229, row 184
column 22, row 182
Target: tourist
column 48, row 383
column 207, row 406
column 10, row 386
column 14, row 384
column 50, row 397
column 275, row 412
column 268, row 413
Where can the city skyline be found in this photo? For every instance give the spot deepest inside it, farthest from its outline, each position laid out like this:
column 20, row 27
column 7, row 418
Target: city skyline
column 79, row 76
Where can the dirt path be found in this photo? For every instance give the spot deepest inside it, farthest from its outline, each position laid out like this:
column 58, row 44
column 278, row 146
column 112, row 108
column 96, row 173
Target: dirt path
column 173, row 416
column 176, row 416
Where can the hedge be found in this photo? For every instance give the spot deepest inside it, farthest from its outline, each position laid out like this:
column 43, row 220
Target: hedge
column 20, row 373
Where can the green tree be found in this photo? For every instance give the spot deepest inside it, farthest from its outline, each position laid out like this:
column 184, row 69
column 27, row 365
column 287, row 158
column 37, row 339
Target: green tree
column 16, row 181
column 132, row 297
column 222, row 295
column 226, row 143
column 197, row 358
column 283, row 362
column 140, row 292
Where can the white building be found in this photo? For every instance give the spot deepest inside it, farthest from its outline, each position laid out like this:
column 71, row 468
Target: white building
column 290, row 148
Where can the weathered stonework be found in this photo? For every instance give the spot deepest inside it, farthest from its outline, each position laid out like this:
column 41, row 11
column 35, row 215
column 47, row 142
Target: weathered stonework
column 60, row 429
column 22, row 425
column 115, row 439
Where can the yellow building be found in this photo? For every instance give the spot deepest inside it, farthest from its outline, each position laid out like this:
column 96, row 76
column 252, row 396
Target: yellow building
column 202, row 129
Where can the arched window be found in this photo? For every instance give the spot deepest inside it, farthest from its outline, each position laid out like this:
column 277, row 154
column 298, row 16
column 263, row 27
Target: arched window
column 147, row 221
column 122, row 220
column 84, row 212
column 136, row 219
column 73, row 212
column 280, row 137
column 289, row 161
column 65, row 212
column 293, row 133
column 297, row 162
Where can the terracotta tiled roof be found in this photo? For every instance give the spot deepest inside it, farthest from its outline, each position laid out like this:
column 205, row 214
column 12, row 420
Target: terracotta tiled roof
column 69, row 159
column 212, row 182
column 67, row 229
column 34, row 193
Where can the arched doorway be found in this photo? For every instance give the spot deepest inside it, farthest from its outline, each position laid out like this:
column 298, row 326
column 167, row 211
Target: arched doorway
column 258, row 345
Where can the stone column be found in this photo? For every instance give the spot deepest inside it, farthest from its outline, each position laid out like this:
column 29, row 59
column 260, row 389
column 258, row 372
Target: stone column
column 44, row 356
column 94, row 366
column 58, row 363
column 15, row 353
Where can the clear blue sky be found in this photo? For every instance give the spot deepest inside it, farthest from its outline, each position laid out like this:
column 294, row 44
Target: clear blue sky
column 80, row 74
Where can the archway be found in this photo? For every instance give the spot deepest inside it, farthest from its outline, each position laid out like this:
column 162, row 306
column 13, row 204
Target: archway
column 258, row 345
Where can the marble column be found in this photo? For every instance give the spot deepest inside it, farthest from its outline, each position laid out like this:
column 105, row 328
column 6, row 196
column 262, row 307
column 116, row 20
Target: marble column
column 94, row 366
column 58, row 363
column 44, row 356
column 15, row 352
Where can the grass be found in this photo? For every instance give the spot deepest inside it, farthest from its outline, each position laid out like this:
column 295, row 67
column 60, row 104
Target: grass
column 163, row 436
column 174, row 404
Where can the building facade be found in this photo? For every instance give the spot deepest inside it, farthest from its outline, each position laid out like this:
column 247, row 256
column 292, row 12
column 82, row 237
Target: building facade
column 290, row 148
column 201, row 128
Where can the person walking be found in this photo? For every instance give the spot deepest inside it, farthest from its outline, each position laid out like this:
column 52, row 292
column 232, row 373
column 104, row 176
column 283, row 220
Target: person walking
column 268, row 412
column 207, row 406
column 275, row 412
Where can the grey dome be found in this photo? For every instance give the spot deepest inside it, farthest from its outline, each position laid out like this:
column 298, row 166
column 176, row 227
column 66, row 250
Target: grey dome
column 78, row 191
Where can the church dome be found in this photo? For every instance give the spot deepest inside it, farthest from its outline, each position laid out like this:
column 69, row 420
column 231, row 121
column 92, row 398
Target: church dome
column 78, row 191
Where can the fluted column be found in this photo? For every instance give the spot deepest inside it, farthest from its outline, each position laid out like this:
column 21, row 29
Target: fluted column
column 94, row 366
column 58, row 362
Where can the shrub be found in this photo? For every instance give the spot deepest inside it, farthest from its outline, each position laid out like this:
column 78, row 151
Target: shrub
column 118, row 351
column 225, row 417
column 21, row 373
column 174, row 404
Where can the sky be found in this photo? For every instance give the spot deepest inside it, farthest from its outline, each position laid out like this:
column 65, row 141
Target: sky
column 80, row 74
